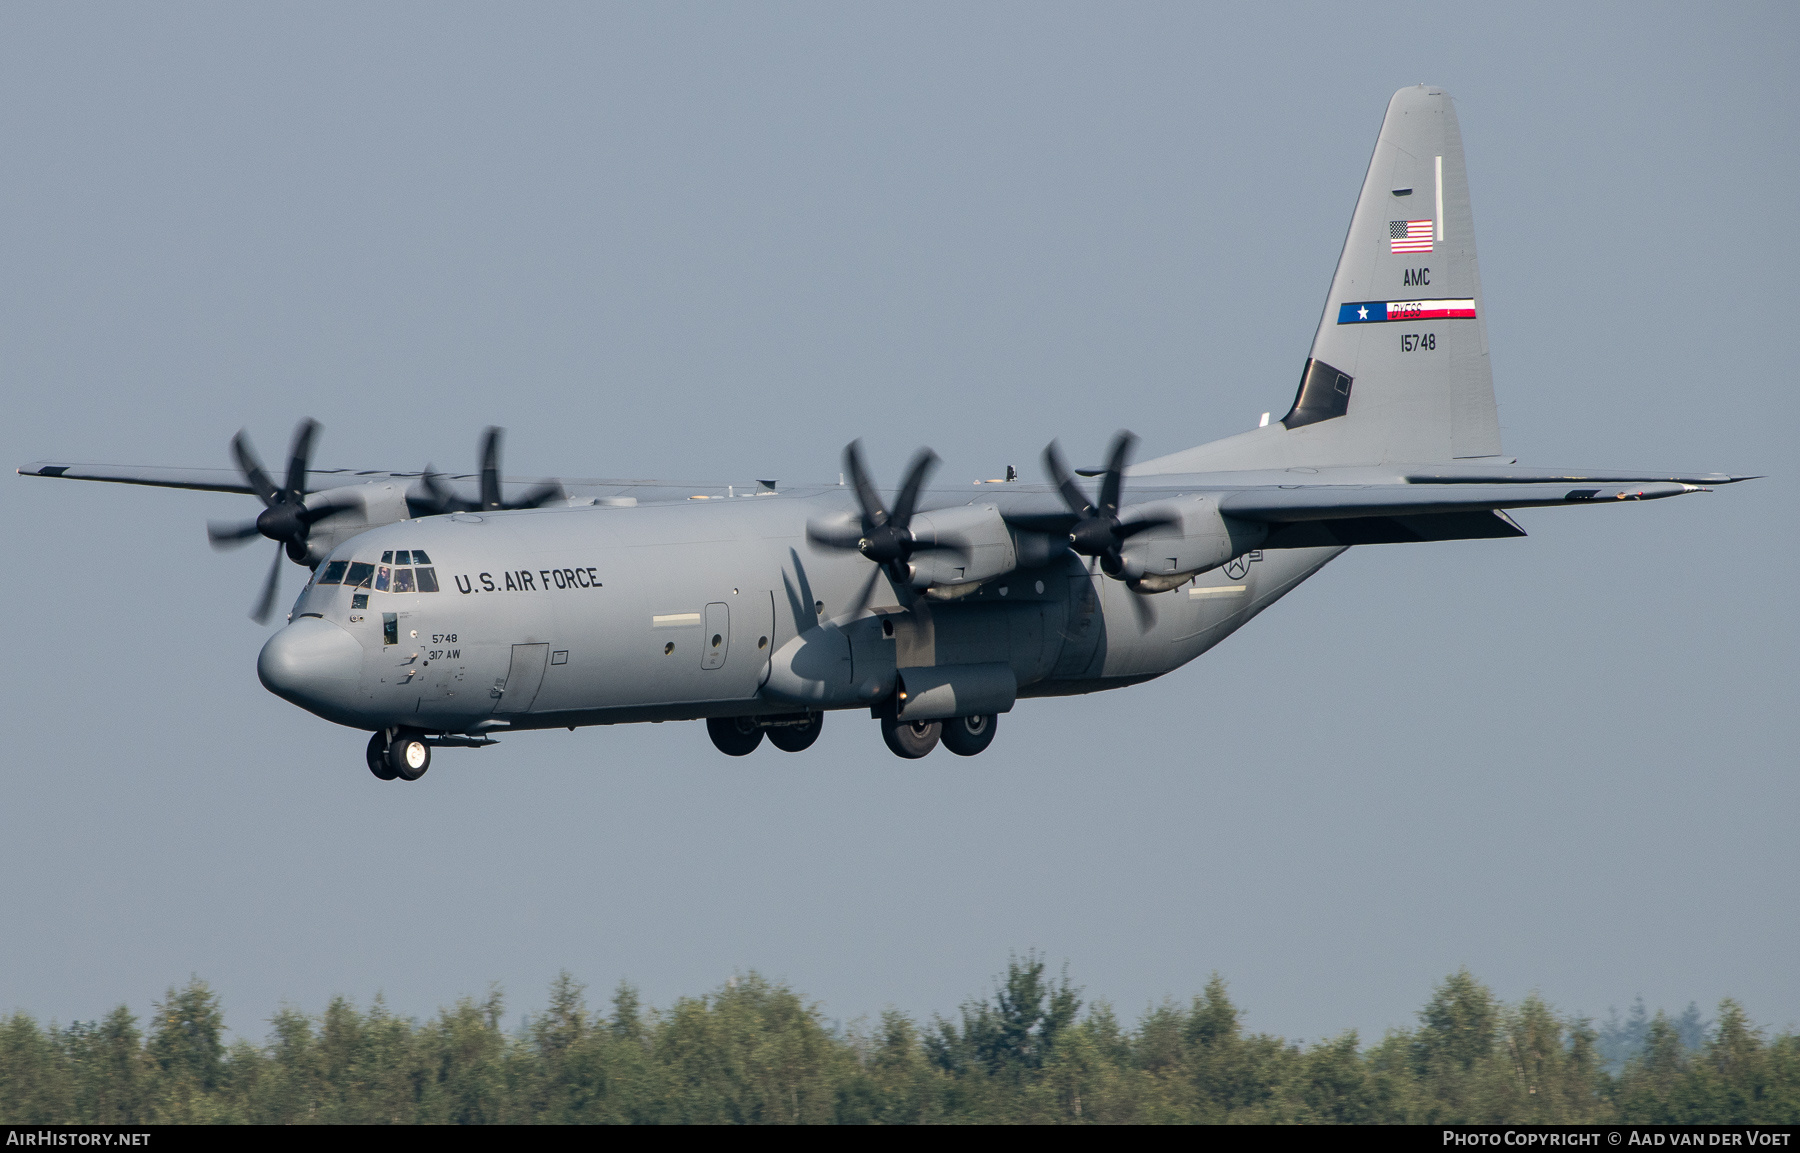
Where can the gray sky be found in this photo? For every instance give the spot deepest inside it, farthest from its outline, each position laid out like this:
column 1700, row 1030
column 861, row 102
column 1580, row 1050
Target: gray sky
column 717, row 242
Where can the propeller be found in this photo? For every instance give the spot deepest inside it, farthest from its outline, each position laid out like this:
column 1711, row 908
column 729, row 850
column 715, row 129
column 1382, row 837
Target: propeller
column 1098, row 530
column 440, row 498
column 882, row 534
column 286, row 518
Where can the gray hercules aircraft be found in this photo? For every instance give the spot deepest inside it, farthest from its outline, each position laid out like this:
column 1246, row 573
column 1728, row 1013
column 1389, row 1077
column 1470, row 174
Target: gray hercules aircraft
column 432, row 619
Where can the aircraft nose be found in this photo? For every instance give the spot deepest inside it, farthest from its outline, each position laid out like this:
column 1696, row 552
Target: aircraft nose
column 313, row 663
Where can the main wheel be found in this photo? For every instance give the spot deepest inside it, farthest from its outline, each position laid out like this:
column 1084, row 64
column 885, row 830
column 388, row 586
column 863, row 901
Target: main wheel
column 734, row 736
column 797, row 738
column 408, row 755
column 910, row 739
column 966, row 736
column 377, row 756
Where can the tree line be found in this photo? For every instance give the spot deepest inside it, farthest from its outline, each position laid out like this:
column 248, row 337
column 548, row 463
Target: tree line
column 755, row 1051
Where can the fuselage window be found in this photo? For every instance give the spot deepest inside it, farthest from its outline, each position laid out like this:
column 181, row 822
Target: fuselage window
column 359, row 574
column 419, row 557
column 403, row 580
column 427, row 579
column 334, row 572
column 381, row 575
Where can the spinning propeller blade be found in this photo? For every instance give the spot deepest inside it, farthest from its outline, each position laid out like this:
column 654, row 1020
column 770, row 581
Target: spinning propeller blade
column 286, row 518
column 441, row 498
column 1098, row 530
column 883, row 535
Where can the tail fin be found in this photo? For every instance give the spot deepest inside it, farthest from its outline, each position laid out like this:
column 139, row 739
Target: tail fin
column 1399, row 367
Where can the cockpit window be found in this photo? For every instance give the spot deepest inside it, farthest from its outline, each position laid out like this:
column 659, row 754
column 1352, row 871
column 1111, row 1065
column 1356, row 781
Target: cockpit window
column 403, row 580
column 387, row 557
column 359, row 574
column 334, row 572
column 427, row 579
column 419, row 557
column 381, row 575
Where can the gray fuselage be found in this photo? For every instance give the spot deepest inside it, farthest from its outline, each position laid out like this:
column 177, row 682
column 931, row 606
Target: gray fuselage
column 600, row 615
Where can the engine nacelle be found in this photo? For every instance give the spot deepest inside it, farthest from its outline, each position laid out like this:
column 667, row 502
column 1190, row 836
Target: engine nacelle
column 371, row 505
column 974, row 545
column 1198, row 538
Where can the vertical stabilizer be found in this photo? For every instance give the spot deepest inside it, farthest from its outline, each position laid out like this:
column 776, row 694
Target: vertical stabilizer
column 1399, row 367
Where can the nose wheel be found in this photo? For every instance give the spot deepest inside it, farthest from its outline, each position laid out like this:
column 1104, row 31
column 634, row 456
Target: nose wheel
column 378, row 751
column 403, row 756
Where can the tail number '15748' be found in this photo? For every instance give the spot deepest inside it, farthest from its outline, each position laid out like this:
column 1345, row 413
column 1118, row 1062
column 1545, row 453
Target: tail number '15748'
column 1414, row 341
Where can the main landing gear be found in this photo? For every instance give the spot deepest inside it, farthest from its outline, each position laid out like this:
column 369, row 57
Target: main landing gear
column 911, row 739
column 964, row 736
column 739, row 736
column 398, row 754
column 734, row 736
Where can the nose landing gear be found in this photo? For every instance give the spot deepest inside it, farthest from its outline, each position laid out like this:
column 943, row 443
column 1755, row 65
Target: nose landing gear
column 377, row 755
column 401, row 755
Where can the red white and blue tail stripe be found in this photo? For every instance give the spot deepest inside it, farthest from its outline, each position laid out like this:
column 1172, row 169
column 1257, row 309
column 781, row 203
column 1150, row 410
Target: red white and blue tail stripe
column 1379, row 311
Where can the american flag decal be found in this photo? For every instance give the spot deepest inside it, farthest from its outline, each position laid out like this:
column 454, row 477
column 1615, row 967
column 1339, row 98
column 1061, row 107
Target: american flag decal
column 1409, row 236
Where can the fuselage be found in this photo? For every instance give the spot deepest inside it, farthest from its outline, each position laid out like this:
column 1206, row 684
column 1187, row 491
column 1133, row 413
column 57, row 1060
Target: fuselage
column 564, row 616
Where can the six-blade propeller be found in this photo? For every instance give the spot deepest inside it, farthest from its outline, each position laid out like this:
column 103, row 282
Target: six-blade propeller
column 440, row 498
column 882, row 534
column 286, row 517
column 1098, row 530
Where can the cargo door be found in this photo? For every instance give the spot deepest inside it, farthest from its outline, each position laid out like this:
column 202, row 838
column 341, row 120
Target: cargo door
column 523, row 679
column 716, row 641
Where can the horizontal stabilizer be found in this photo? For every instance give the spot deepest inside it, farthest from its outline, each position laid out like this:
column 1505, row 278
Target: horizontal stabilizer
column 1330, row 502
column 1490, row 525
column 1490, row 474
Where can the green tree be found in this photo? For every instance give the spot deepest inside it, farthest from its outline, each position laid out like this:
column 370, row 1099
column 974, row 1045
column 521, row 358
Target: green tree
column 1017, row 1029
column 1336, row 1085
column 1452, row 1051
column 35, row 1087
column 110, row 1070
column 187, row 1044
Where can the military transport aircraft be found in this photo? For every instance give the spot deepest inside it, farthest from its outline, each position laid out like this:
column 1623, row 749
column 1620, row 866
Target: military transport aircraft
column 434, row 618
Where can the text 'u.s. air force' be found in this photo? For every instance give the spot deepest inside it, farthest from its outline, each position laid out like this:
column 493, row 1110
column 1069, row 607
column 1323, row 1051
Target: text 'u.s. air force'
column 529, row 580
